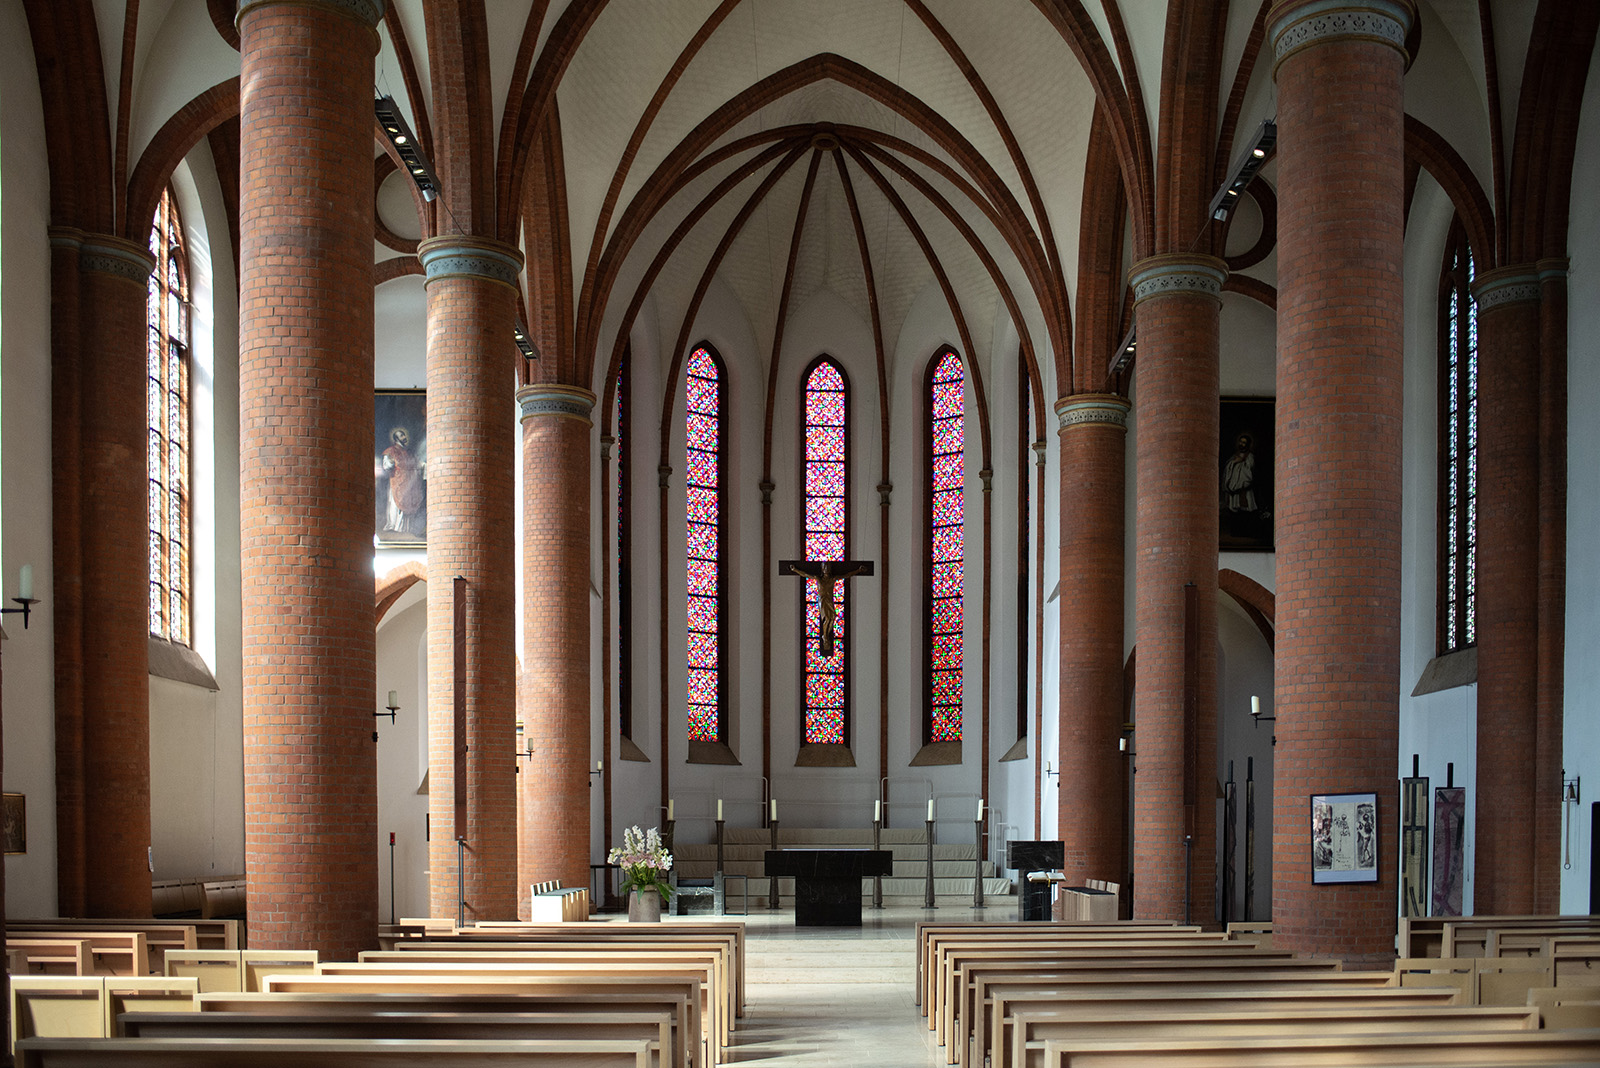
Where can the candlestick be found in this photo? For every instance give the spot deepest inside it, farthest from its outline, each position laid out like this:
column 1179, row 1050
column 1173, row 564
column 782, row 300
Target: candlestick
column 980, row 808
column 392, row 701
column 25, row 584
column 1255, row 705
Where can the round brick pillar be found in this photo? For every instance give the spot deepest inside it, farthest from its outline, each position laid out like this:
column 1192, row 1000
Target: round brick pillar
column 1552, row 581
column 1507, row 581
column 471, row 534
column 103, row 737
column 1340, row 223
column 305, row 459
column 556, row 581
column 1091, row 798
column 1177, row 306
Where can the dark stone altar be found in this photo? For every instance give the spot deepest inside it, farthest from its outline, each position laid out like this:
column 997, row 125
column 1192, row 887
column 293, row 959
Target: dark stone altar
column 1025, row 857
column 827, row 882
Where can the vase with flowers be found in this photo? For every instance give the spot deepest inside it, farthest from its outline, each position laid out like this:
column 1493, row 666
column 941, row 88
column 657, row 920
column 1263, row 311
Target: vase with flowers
column 644, row 862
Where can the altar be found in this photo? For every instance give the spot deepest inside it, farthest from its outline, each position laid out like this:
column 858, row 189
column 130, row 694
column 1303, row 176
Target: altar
column 827, row 882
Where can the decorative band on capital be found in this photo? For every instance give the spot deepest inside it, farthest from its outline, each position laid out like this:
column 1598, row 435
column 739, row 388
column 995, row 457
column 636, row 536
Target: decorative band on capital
column 563, row 402
column 1164, row 275
column 1092, row 409
column 367, row 12
column 104, row 254
column 453, row 257
column 1384, row 21
column 1512, row 285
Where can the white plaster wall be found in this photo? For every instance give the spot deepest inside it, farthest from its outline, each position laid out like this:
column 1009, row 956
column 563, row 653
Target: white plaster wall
column 1582, row 748
column 402, row 666
column 29, row 677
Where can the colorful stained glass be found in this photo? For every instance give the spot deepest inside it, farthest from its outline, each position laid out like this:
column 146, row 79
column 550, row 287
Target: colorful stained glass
column 824, row 441
column 946, row 547
column 167, row 416
column 703, row 464
column 1458, row 368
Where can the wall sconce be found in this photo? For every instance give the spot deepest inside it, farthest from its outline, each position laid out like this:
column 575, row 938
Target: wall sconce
column 599, row 770
column 1047, row 773
column 24, row 596
column 524, row 749
column 1570, row 793
column 1125, row 742
column 1244, row 170
column 1570, row 797
column 1257, row 718
column 393, row 706
column 406, row 146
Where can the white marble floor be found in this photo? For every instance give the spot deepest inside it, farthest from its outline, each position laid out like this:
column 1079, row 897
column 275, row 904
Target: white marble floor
column 839, row 996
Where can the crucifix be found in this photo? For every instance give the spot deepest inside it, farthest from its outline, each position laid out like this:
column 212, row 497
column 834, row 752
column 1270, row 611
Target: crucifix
column 828, row 574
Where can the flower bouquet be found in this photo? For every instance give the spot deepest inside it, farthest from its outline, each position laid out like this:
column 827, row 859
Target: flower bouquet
column 644, row 862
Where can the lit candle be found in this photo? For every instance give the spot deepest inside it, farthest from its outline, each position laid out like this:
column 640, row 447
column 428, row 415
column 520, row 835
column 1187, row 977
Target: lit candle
column 980, row 810
column 669, row 810
column 25, row 582
column 600, row 765
column 930, row 809
column 719, row 808
column 392, row 702
column 774, row 809
column 877, row 811
column 1255, row 705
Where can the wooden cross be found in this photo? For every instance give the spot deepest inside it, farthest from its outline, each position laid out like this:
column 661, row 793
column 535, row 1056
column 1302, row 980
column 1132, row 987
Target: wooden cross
column 828, row 574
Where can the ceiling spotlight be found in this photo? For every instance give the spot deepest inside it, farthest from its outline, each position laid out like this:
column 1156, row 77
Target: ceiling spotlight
column 1244, row 170
column 404, row 142
column 524, row 345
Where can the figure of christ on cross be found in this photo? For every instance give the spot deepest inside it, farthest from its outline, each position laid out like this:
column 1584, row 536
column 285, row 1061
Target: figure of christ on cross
column 828, row 574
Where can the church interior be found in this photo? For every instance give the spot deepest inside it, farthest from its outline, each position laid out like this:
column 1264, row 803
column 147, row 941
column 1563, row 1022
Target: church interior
column 1161, row 427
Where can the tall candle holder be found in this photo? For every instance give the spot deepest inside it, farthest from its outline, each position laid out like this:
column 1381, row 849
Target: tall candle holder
column 721, row 825
column 927, row 887
column 977, row 864
column 877, row 880
column 772, row 883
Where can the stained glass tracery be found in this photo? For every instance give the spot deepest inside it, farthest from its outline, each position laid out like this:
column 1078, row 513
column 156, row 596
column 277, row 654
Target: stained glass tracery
column 1458, row 452
column 946, row 514
column 704, row 463
column 167, row 414
column 825, row 537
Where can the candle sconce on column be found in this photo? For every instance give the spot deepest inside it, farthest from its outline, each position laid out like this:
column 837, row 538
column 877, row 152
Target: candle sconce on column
column 24, row 597
column 393, row 706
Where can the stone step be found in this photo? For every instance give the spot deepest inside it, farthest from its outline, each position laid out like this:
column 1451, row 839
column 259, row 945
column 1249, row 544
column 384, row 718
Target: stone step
column 893, row 886
column 832, row 836
column 917, row 851
column 755, row 868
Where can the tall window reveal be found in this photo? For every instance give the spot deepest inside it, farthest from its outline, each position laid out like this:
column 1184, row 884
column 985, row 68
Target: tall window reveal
column 1458, row 446
column 624, row 555
column 1025, row 459
column 946, row 512
column 167, row 408
column 826, row 537
column 706, row 451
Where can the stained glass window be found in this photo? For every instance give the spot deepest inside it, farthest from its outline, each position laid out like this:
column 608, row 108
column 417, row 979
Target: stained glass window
column 624, row 556
column 167, row 410
column 826, row 537
column 946, row 513
column 705, row 461
column 1458, row 445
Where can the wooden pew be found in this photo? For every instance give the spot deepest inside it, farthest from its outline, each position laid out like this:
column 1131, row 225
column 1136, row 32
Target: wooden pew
column 54, row 956
column 930, row 932
column 683, row 993
column 1030, row 1031
column 87, row 1006
column 1482, row 980
column 222, row 897
column 327, row 1053
column 110, row 952
column 1313, row 1051
column 1468, row 936
column 1567, row 1008
column 208, row 934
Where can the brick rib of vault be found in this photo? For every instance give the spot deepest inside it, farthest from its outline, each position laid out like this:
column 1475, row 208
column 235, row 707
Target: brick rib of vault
column 556, row 431
column 305, row 371
column 1177, row 306
column 471, row 534
column 1093, row 438
column 103, row 728
column 1340, row 224
column 1507, row 617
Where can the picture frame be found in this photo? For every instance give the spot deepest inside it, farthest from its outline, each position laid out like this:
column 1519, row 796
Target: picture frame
column 1246, row 486
column 14, row 822
column 1344, row 838
column 1449, row 850
column 400, row 468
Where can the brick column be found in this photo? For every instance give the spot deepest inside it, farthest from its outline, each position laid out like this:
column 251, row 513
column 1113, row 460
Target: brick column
column 1091, row 800
column 555, row 599
column 1508, row 581
column 103, row 594
column 471, row 534
column 1552, row 582
column 305, row 459
column 1340, row 224
column 1177, row 304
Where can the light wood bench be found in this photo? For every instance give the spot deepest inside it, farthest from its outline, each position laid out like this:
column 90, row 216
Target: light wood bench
column 1567, row 1008
column 1436, row 936
column 87, row 1006
column 53, row 956
column 208, row 934
column 1314, row 1051
column 110, row 952
column 1482, row 980
column 557, row 905
column 930, row 932
column 222, row 897
column 238, row 969
column 327, row 1053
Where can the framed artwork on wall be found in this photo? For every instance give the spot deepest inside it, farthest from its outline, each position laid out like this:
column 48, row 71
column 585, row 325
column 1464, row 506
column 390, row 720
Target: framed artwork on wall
column 1344, row 838
column 1245, row 474
column 1449, row 849
column 14, row 822
column 400, row 467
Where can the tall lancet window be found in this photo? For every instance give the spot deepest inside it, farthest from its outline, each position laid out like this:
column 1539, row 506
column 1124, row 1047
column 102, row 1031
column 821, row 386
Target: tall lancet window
column 1458, row 445
column 167, row 409
column 826, row 536
column 705, row 414
column 622, row 488
column 946, row 512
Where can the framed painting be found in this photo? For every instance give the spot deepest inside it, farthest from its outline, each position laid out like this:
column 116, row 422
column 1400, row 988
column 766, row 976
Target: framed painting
column 1245, row 474
column 1344, row 838
column 14, row 822
column 1414, row 846
column 1449, row 849
column 400, row 467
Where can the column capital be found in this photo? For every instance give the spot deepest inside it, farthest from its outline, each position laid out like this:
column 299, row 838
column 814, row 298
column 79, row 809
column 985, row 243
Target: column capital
column 1090, row 409
column 1159, row 276
column 367, row 12
column 1296, row 24
column 563, row 402
column 461, row 256
column 1553, row 269
column 105, row 254
column 1517, row 284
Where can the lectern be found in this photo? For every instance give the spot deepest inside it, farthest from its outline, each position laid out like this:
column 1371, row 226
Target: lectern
column 1024, row 857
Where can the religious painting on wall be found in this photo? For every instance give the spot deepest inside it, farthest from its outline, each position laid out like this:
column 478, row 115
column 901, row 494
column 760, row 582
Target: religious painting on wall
column 1344, row 838
column 14, row 823
column 400, row 466
column 1414, row 846
column 1245, row 474
column 1449, row 828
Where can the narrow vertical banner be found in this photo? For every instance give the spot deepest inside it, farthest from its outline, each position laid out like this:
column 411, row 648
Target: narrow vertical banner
column 459, row 641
